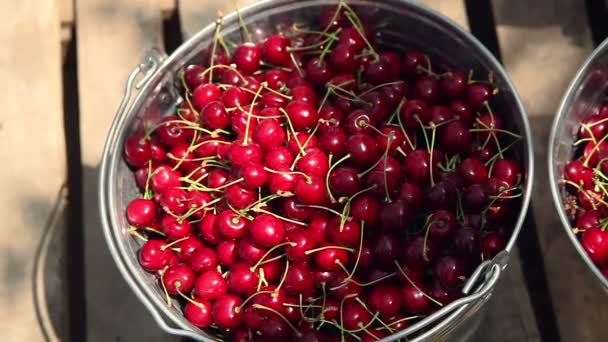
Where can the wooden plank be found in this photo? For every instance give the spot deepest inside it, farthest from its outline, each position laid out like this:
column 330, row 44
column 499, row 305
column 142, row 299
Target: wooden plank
column 112, row 39
column 167, row 7
column 33, row 153
column 196, row 14
column 544, row 43
column 454, row 10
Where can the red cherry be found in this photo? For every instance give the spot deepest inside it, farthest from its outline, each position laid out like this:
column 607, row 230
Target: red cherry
column 203, row 259
column 186, row 247
column 386, row 69
column 199, row 314
column 355, row 316
column 426, row 88
column 347, row 234
column 304, row 93
column 299, row 280
column 278, row 157
column 238, row 196
column 233, row 97
column 175, row 229
column 224, row 311
column 227, row 252
column 418, row 166
column 281, row 180
column 249, row 251
column 204, row 94
column 594, row 126
column 317, row 71
column 595, row 243
column 154, row 255
column 303, row 241
column 317, row 228
column 267, row 230
column 163, row 178
column 297, row 211
column 241, row 279
column 172, row 132
column 311, row 190
column 575, row 171
column 275, row 50
column 210, row 285
column 589, row 219
column 351, row 36
column 208, row 229
column 269, row 134
column 275, row 78
column 178, row 278
column 327, row 259
column 442, row 225
column 314, row 163
column 247, row 58
column 302, row 115
column 214, row 116
column 193, row 75
column 140, row 212
column 230, row 225
column 254, row 176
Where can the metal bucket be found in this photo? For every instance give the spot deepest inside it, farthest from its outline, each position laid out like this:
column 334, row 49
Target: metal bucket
column 405, row 23
column 583, row 96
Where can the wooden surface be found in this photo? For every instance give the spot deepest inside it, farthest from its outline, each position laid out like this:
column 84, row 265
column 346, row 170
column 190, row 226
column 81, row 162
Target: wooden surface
column 112, row 37
column 32, row 155
column 542, row 44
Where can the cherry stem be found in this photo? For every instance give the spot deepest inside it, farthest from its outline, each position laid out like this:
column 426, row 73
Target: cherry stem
column 583, row 140
column 293, row 131
column 174, row 243
column 133, row 231
column 243, row 25
column 507, row 132
column 335, row 212
column 331, row 168
column 162, row 283
column 426, row 138
column 595, row 149
column 273, row 248
column 147, row 192
column 263, row 307
column 295, row 63
column 150, row 229
column 407, row 137
column 414, row 285
column 192, row 301
column 308, row 179
column 310, row 251
column 434, row 131
column 382, row 85
column 218, row 25
column 248, row 124
column 372, row 313
column 346, row 210
column 358, row 26
column 240, row 307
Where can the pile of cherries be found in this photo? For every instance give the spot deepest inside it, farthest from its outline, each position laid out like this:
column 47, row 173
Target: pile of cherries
column 317, row 187
column 586, row 200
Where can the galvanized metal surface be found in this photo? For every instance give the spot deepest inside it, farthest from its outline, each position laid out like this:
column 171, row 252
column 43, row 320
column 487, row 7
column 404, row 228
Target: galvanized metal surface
column 584, row 95
column 157, row 99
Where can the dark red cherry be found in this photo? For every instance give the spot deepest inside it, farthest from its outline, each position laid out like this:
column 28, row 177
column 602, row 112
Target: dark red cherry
column 453, row 84
column 342, row 58
column 333, row 140
column 449, row 270
column 355, row 316
column 296, row 210
column 193, row 75
column 365, row 208
column 473, row 171
column 414, row 62
column 589, row 219
column 426, row 88
column 414, row 299
column 476, row 94
column 137, row 151
column 419, row 253
column 318, row 71
column 394, row 216
column 595, row 243
column 344, row 234
column 386, row 248
column 442, row 225
column 507, row 170
column 492, row 244
column 455, row 137
column 414, row 111
column 299, row 280
column 363, row 149
column 386, row 300
column 344, row 181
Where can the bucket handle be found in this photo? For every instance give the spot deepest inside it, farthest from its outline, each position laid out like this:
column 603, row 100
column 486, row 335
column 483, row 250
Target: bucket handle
column 496, row 267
